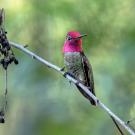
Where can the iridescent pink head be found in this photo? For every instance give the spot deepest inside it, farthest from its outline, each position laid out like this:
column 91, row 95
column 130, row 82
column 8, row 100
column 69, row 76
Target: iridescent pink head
column 73, row 42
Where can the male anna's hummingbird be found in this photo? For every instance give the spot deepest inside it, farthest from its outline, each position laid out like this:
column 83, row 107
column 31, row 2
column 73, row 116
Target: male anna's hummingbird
column 77, row 63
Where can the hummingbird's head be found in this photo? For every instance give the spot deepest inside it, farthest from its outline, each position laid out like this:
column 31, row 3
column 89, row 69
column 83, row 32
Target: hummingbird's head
column 73, row 42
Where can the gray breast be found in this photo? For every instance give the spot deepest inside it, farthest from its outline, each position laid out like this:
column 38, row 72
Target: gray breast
column 73, row 63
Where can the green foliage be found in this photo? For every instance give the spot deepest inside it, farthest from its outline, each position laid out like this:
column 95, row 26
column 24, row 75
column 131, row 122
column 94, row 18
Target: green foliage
column 41, row 102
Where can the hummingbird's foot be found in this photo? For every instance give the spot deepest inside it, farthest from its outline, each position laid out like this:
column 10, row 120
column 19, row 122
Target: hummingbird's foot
column 62, row 69
column 70, row 74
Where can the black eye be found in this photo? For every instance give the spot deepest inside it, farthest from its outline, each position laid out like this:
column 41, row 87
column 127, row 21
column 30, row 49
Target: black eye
column 69, row 37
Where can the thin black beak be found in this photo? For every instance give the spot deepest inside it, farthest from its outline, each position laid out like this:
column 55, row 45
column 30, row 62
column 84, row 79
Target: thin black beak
column 83, row 35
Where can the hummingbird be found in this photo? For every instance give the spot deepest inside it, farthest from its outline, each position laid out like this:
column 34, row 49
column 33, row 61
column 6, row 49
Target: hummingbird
column 77, row 64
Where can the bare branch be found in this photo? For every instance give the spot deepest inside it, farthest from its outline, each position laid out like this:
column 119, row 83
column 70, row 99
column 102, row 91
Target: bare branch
column 70, row 78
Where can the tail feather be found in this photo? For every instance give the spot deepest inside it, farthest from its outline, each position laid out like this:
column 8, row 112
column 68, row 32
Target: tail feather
column 86, row 95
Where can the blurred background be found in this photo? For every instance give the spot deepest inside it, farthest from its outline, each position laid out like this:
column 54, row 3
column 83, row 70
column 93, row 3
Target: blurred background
column 40, row 100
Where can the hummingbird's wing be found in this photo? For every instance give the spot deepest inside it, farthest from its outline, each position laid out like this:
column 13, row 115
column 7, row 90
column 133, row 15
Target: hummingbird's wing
column 88, row 77
column 88, row 73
